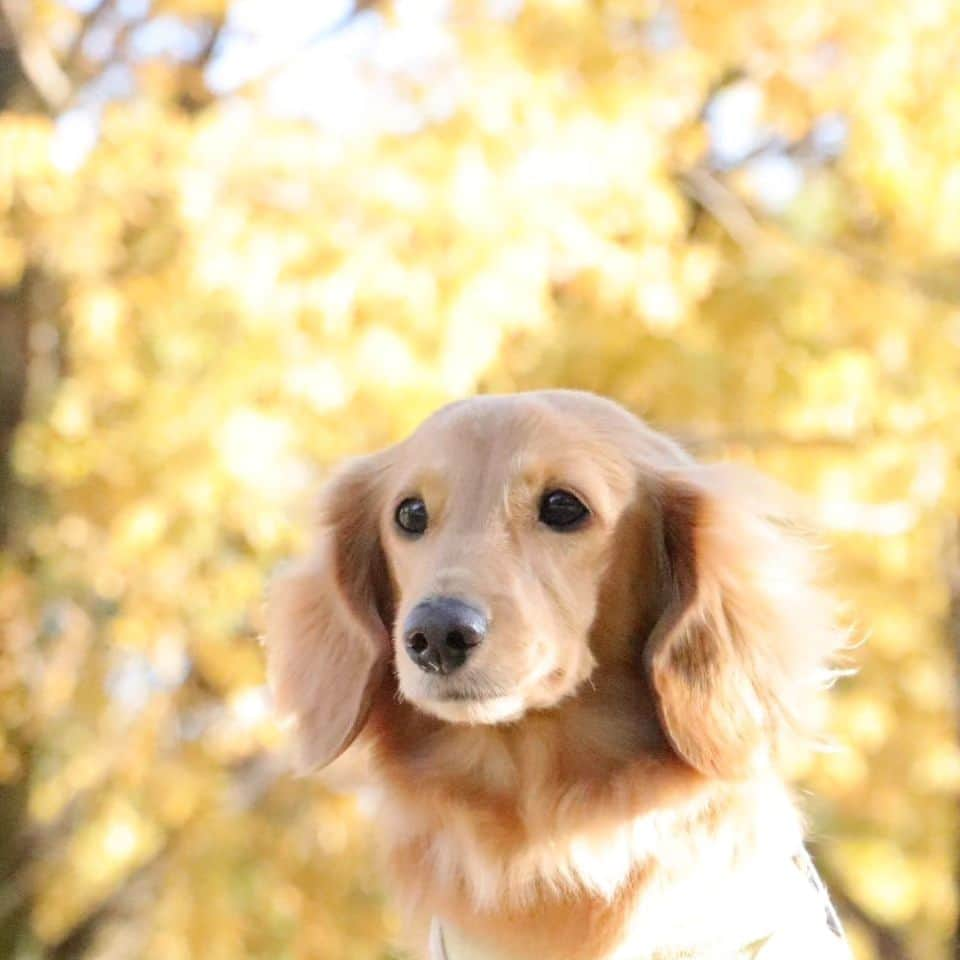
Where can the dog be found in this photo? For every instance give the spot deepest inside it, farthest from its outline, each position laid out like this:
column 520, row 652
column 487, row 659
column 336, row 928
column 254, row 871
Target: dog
column 576, row 657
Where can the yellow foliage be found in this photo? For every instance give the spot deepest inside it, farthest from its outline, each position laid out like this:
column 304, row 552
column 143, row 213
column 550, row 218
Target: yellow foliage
column 224, row 300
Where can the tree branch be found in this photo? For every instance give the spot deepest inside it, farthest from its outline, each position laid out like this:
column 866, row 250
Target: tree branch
column 728, row 208
column 40, row 67
column 723, row 204
column 79, row 939
column 88, row 21
column 327, row 31
column 707, row 441
column 888, row 943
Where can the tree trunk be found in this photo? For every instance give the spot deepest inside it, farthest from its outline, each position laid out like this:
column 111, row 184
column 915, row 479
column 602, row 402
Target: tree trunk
column 14, row 336
column 16, row 935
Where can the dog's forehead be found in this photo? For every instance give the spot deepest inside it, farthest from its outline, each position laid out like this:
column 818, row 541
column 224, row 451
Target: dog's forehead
column 496, row 430
column 484, row 419
column 487, row 445
column 520, row 416
column 544, row 421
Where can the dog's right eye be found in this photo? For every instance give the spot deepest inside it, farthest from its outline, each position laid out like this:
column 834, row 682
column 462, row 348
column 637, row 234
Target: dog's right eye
column 411, row 516
column 561, row 510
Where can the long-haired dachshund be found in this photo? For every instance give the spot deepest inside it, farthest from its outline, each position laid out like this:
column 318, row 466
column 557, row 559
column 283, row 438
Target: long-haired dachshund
column 575, row 655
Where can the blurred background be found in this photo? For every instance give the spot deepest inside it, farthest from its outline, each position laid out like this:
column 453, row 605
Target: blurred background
column 240, row 241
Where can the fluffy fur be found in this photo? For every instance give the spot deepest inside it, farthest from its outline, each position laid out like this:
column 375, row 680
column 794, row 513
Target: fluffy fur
column 602, row 775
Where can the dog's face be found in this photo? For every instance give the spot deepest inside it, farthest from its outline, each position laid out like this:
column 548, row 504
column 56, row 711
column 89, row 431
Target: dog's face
column 497, row 521
column 494, row 558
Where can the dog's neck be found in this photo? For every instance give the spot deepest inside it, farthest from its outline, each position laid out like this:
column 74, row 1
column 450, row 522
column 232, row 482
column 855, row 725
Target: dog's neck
column 578, row 819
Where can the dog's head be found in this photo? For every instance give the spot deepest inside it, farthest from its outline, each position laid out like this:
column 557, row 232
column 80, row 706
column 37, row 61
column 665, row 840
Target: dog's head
column 512, row 545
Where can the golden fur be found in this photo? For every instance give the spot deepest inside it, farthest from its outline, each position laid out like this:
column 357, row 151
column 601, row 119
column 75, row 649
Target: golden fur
column 607, row 771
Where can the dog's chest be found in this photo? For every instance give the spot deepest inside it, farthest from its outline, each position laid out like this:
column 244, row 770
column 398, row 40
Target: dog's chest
column 711, row 879
column 448, row 944
column 790, row 918
column 768, row 908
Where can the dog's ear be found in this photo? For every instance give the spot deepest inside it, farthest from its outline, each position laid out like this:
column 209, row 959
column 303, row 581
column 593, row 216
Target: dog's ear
column 745, row 630
column 328, row 621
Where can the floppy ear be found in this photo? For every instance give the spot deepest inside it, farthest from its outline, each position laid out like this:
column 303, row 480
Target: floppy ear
column 745, row 630
column 328, row 636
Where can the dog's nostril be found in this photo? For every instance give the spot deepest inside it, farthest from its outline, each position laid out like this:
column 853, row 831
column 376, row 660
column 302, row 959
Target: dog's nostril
column 417, row 643
column 456, row 640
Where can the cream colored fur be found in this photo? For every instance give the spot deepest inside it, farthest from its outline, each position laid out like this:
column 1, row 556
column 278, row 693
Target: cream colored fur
column 604, row 785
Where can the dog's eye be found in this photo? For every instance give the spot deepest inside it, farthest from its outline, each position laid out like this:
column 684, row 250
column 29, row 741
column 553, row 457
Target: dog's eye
column 561, row 510
column 411, row 516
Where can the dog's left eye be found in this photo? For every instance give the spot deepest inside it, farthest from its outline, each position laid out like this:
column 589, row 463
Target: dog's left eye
column 561, row 510
column 411, row 516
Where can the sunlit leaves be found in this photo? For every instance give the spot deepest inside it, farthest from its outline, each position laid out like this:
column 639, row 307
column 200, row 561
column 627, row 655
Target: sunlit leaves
column 738, row 218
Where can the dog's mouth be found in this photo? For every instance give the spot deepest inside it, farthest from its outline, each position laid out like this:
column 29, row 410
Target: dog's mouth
column 468, row 687
column 492, row 710
column 467, row 696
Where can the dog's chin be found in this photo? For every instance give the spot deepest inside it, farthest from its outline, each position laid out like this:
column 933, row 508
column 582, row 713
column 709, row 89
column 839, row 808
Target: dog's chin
column 462, row 701
column 457, row 701
column 481, row 710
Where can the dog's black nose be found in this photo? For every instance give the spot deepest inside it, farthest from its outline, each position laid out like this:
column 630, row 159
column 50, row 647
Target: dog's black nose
column 441, row 632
